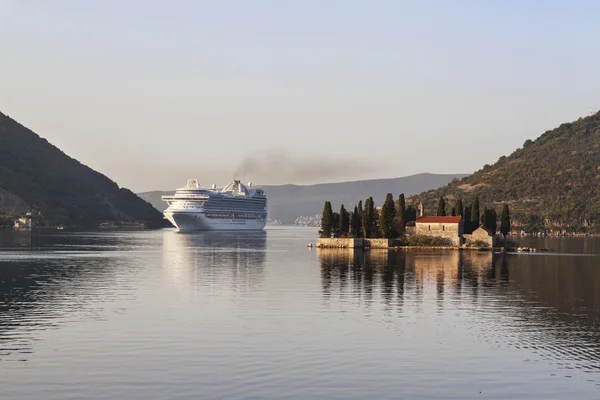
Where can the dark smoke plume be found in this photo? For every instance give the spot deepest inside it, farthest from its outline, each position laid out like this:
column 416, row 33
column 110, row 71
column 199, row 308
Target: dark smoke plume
column 279, row 166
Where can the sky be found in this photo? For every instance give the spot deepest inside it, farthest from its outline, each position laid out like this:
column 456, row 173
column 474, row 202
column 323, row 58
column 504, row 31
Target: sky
column 151, row 93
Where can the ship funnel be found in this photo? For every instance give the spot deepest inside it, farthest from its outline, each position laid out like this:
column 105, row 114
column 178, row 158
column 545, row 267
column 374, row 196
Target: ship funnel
column 214, row 185
column 249, row 184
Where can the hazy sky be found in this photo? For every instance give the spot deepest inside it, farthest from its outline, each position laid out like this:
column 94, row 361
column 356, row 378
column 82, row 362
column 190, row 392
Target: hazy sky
column 153, row 92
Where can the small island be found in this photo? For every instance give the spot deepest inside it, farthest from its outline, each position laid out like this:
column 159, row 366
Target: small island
column 394, row 225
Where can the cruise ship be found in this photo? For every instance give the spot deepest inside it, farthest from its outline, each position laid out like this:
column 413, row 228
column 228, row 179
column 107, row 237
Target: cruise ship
column 235, row 207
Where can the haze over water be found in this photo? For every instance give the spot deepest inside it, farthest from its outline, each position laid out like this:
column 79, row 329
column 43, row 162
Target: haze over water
column 156, row 314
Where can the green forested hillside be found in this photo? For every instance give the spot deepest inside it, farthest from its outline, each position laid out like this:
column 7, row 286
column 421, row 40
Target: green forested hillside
column 36, row 175
column 551, row 183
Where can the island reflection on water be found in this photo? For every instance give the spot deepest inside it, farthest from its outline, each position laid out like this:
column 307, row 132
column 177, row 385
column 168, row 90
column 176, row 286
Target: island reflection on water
column 547, row 303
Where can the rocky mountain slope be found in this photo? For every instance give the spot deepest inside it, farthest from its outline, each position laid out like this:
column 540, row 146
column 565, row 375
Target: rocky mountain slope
column 37, row 176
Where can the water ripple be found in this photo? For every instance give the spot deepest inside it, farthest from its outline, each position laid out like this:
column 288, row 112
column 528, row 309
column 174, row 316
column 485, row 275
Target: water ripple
column 257, row 316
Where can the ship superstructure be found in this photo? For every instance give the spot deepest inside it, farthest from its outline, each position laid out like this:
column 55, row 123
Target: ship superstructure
column 235, row 207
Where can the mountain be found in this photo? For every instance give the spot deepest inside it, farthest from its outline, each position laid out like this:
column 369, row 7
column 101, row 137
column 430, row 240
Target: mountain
column 287, row 202
column 551, row 183
column 37, row 176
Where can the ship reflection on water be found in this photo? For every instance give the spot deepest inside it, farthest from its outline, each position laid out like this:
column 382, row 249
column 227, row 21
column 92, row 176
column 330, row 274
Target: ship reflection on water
column 205, row 258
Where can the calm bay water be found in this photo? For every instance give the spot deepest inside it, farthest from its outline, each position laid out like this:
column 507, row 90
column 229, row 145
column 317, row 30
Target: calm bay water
column 157, row 314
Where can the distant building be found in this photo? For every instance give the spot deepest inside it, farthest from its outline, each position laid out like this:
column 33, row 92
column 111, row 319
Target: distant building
column 451, row 228
column 411, row 228
column 482, row 234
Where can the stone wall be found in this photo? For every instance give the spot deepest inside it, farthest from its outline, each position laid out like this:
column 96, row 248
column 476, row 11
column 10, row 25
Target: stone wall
column 339, row 243
column 356, row 243
column 380, row 243
column 448, row 231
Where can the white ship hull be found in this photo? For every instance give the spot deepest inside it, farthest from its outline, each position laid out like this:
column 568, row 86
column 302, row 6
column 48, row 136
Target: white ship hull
column 189, row 221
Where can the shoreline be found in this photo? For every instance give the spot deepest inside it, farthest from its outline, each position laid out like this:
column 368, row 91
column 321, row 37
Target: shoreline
column 396, row 245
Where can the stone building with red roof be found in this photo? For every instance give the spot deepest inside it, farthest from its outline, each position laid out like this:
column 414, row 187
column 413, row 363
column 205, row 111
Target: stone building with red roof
column 451, row 228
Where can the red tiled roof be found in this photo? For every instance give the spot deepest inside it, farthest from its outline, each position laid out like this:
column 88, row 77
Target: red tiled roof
column 438, row 220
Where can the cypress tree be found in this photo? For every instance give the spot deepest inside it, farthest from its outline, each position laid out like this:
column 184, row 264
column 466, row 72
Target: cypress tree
column 355, row 223
column 326, row 221
column 483, row 218
column 387, row 218
column 335, row 230
column 411, row 213
column 505, row 221
column 475, row 214
column 467, row 217
column 370, row 225
column 493, row 221
column 344, row 222
column 441, row 211
column 401, row 215
column 488, row 219
column 374, row 217
column 359, row 214
column 369, row 212
column 364, row 225
column 375, row 223
column 458, row 208
column 453, row 212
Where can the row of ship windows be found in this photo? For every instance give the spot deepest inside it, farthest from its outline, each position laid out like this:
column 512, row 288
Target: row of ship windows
column 244, row 199
column 232, row 215
column 194, row 207
column 200, row 205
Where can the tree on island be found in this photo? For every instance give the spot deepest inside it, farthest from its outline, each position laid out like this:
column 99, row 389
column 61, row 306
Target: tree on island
column 387, row 218
column 355, row 223
column 401, row 215
column 369, row 220
column 493, row 221
column 505, row 221
column 344, row 222
column 364, row 225
column 411, row 214
column 335, row 227
column 458, row 209
column 326, row 221
column 488, row 219
column 467, row 218
column 475, row 214
column 441, row 210
column 360, row 209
